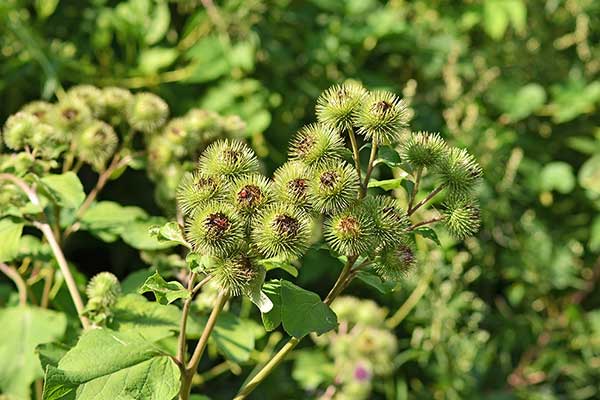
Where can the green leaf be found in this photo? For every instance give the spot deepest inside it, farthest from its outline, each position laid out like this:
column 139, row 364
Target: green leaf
column 428, row 233
column 495, row 18
column 233, row 337
column 387, row 184
column 594, row 243
column 110, row 218
column 389, row 156
column 300, row 311
column 114, row 365
column 526, row 101
column 45, row 8
column 156, row 58
column 10, row 237
column 159, row 23
column 373, row 280
column 276, row 263
column 209, row 58
column 153, row 321
column 51, row 353
column 64, row 189
column 589, row 174
column 557, row 176
column 23, row 329
column 138, row 235
column 165, row 292
column 169, row 232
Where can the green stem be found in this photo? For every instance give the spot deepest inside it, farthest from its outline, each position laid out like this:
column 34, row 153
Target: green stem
column 190, row 370
column 183, row 323
column 265, row 371
column 415, row 188
column 371, row 164
column 356, row 157
column 14, row 276
column 411, row 302
column 430, row 196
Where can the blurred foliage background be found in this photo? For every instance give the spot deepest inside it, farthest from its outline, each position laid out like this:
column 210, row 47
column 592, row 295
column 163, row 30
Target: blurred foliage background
column 514, row 313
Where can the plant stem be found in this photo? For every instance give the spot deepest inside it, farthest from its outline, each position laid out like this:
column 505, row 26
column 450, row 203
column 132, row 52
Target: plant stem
column 427, row 222
column 430, row 196
column 411, row 302
column 356, row 157
column 415, row 188
column 64, row 268
column 183, row 323
column 58, row 254
column 371, row 165
column 265, row 371
column 14, row 276
column 192, row 366
column 48, row 280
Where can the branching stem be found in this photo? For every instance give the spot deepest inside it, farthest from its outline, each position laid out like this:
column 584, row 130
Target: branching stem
column 14, row 276
column 430, row 196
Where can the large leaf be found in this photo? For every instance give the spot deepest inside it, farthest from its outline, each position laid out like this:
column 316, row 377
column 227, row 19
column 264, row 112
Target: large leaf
column 10, row 236
column 165, row 292
column 113, row 365
column 153, row 321
column 298, row 310
column 64, row 189
column 139, row 235
column 24, row 328
column 234, row 337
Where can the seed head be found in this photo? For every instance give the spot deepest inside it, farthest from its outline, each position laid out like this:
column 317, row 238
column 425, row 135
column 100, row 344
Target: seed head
column 116, row 102
column 458, row 171
column 334, row 187
column 71, row 113
column 41, row 109
column 281, row 230
column 96, row 143
column 291, row 184
column 336, row 106
column 147, row 112
column 461, row 216
column 91, row 96
column 350, row 232
column 197, row 189
column 424, row 149
column 393, row 263
column 250, row 193
column 103, row 288
column 19, row 130
column 316, row 144
column 235, row 274
column 382, row 117
column 228, row 158
column 390, row 220
column 216, row 229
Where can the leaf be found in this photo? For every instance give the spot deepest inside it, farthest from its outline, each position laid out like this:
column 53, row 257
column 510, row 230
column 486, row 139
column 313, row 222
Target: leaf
column 24, row 328
column 64, row 189
column 51, row 353
column 233, row 337
column 594, row 243
column 589, row 174
column 527, row 100
column 108, row 217
column 10, row 237
column 557, row 176
column 428, row 233
column 495, row 18
column 300, row 311
column 165, row 292
column 159, row 23
column 114, row 365
column 45, row 8
column 276, row 263
column 389, row 156
column 169, row 232
column 373, row 280
column 153, row 321
column 209, row 59
column 153, row 59
column 138, row 235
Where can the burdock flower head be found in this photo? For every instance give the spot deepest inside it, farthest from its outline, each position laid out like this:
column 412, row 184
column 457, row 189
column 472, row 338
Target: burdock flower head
column 461, row 216
column 196, row 189
column 382, row 117
column 215, row 229
column 41, row 109
column 281, row 230
column 96, row 143
column 228, row 158
column 71, row 113
column 350, row 232
column 291, row 184
column 103, row 288
column 316, row 144
column 336, row 106
column 249, row 193
column 334, row 187
column 91, row 96
column 237, row 273
column 19, row 130
column 458, row 172
column 115, row 101
column 390, row 220
column 147, row 112
column 393, row 263
column 424, row 149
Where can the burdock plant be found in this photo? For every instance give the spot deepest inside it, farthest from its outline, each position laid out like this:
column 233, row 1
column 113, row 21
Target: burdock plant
column 353, row 184
column 319, row 196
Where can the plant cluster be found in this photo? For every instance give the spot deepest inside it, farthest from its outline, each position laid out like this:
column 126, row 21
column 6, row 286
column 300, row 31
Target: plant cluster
column 233, row 225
